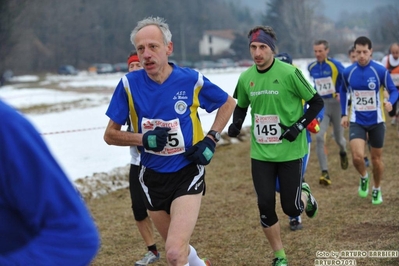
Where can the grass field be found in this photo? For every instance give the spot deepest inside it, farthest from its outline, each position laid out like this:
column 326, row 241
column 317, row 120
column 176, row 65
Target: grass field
column 228, row 230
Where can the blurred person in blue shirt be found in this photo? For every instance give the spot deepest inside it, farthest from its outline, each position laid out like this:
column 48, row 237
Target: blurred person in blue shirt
column 44, row 221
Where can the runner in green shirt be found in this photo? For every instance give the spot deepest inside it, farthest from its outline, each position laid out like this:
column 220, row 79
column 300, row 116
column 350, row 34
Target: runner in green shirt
column 275, row 91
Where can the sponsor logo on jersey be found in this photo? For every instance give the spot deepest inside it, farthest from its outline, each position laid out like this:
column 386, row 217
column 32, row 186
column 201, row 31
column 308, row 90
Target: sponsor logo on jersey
column 180, row 107
column 257, row 93
column 372, row 83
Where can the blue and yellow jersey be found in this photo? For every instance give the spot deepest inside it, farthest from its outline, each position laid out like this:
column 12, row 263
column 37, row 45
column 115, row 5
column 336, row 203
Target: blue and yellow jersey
column 365, row 85
column 327, row 77
column 173, row 104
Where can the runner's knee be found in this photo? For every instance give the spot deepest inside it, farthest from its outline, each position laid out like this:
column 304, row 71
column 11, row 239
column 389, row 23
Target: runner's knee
column 291, row 210
column 267, row 217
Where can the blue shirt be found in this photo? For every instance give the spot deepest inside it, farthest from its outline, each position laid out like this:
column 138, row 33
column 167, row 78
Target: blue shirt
column 365, row 85
column 174, row 104
column 43, row 220
column 327, row 77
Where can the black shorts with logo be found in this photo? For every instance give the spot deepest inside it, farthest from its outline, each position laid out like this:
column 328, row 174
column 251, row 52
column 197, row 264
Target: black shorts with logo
column 161, row 189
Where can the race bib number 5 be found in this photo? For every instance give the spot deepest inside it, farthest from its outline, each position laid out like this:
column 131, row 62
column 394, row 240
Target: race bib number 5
column 175, row 143
column 266, row 129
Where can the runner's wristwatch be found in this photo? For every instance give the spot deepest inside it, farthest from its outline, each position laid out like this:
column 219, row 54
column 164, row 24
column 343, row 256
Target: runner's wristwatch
column 299, row 126
column 214, row 134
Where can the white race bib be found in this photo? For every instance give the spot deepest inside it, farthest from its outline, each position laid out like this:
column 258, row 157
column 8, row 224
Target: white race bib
column 175, row 143
column 365, row 100
column 324, row 86
column 267, row 129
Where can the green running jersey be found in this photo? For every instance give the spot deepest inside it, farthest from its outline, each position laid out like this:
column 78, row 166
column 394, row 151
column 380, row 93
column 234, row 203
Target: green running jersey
column 275, row 96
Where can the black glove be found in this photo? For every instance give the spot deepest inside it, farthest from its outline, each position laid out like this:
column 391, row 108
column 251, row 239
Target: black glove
column 202, row 152
column 235, row 128
column 292, row 132
column 155, row 140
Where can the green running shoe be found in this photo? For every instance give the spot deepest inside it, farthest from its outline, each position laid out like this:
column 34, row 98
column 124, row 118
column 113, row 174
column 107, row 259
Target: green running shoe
column 376, row 197
column 280, row 262
column 311, row 205
column 363, row 187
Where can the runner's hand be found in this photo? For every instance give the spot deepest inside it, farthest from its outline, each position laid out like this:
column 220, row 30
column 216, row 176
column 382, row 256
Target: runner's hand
column 235, row 128
column 290, row 133
column 202, row 152
column 155, row 140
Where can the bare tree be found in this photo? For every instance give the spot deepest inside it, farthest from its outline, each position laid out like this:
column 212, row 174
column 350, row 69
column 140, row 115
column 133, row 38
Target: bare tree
column 385, row 29
column 293, row 22
column 10, row 13
column 38, row 36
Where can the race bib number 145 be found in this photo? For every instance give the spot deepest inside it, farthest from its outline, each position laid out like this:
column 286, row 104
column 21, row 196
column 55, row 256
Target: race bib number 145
column 267, row 129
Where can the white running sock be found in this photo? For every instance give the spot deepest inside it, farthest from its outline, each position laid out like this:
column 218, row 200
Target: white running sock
column 193, row 259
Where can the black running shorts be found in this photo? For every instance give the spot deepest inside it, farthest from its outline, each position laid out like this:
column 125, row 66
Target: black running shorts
column 161, row 189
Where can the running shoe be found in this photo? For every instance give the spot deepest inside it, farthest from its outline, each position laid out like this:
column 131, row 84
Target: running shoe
column 344, row 160
column 377, row 197
column 363, row 187
column 207, row 262
column 311, row 205
column 325, row 179
column 295, row 224
column 148, row 258
column 366, row 161
column 280, row 262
